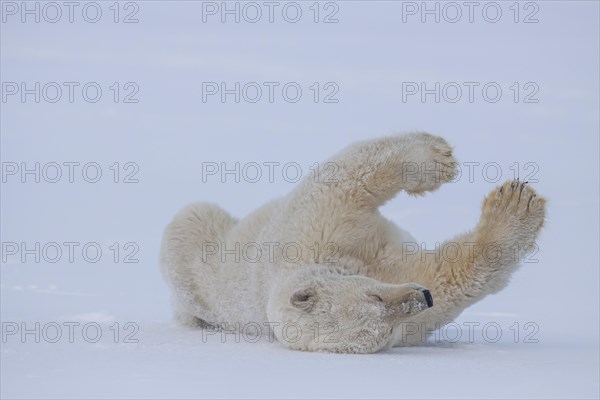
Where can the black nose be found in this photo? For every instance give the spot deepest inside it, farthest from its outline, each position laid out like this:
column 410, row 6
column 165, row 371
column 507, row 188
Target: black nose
column 428, row 297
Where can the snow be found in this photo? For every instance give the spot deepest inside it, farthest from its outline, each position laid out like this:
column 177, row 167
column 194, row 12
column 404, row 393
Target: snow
column 171, row 362
column 548, row 315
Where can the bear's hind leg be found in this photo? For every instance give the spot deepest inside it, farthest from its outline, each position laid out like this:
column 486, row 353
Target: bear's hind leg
column 181, row 262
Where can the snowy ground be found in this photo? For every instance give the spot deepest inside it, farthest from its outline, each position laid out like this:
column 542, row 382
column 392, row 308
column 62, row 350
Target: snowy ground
column 548, row 316
column 172, row 363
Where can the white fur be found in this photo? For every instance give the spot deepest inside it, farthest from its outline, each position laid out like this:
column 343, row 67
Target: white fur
column 361, row 292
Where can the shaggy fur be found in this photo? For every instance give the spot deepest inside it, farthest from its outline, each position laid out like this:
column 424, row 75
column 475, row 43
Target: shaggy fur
column 324, row 271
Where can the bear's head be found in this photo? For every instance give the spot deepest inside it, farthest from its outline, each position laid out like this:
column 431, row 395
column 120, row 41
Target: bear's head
column 319, row 309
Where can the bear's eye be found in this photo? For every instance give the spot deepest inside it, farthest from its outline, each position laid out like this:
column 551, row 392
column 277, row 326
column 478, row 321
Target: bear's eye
column 376, row 297
column 304, row 299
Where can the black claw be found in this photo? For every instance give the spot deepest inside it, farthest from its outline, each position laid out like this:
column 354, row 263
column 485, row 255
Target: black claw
column 521, row 191
column 529, row 202
column 428, row 298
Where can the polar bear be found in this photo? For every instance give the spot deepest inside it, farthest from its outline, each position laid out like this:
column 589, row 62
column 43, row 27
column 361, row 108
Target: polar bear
column 338, row 276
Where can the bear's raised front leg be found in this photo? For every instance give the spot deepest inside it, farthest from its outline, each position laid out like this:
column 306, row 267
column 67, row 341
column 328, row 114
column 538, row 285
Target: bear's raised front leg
column 466, row 269
column 367, row 174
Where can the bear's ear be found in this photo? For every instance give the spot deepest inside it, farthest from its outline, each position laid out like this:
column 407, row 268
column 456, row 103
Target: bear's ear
column 304, row 299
